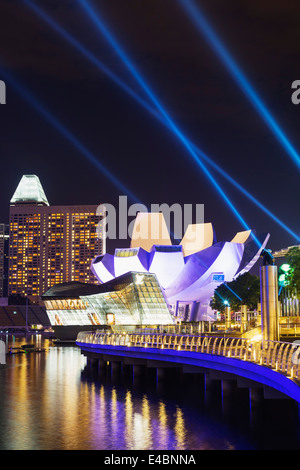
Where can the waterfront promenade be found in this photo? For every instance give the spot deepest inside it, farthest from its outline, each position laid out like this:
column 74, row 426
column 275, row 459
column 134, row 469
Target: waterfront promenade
column 272, row 364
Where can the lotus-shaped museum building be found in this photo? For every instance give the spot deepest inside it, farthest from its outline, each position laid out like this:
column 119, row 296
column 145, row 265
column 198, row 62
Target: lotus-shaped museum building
column 153, row 282
column 188, row 273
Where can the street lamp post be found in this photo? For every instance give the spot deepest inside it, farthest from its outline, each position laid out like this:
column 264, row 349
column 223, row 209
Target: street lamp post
column 269, row 300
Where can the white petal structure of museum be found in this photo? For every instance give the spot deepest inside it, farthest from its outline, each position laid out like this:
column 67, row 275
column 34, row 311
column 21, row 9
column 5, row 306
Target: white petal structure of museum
column 188, row 273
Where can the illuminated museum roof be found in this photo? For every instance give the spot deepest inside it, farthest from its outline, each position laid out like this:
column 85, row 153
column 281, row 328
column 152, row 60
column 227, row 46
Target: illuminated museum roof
column 71, row 290
column 132, row 299
column 188, row 272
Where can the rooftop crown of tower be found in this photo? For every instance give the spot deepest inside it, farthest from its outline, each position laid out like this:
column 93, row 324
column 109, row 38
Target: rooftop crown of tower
column 29, row 191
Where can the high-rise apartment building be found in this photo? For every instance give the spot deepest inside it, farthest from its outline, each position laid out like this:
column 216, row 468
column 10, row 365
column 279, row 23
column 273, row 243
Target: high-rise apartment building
column 4, row 243
column 49, row 245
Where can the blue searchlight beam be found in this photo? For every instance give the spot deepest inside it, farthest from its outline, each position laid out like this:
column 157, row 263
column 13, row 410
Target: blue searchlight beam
column 87, row 54
column 171, row 125
column 48, row 116
column 104, row 69
column 231, row 290
column 248, row 195
column 211, row 37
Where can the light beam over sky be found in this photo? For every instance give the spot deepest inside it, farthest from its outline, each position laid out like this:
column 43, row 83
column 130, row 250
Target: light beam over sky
column 48, row 116
column 197, row 17
column 231, row 290
column 171, row 124
column 103, row 68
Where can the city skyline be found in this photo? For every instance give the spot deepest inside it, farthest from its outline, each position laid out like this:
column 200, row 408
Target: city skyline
column 150, row 158
column 194, row 86
column 49, row 244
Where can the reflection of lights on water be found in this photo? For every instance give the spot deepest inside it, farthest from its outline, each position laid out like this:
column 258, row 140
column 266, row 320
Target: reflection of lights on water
column 146, row 408
column 128, row 406
column 140, row 427
column 102, row 403
column 142, row 430
column 162, row 428
column 74, row 412
column 162, row 415
column 113, row 401
column 147, row 422
column 113, row 412
column 138, row 438
column 128, row 420
column 102, row 395
column 180, row 432
column 101, row 421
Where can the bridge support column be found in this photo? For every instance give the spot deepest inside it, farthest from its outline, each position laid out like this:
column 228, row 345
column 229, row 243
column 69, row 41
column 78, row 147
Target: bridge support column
column 115, row 367
column 101, row 365
column 228, row 387
column 160, row 374
column 255, row 395
column 269, row 302
column 228, row 395
column 92, row 362
column 138, row 371
column 212, row 384
column 212, row 393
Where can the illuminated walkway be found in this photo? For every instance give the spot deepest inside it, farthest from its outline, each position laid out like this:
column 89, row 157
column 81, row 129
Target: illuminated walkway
column 274, row 365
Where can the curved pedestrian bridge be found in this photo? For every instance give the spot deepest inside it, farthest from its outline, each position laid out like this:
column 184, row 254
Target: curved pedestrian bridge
column 273, row 364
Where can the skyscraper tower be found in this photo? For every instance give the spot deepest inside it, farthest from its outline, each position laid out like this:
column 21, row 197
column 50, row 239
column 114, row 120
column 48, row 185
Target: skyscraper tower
column 49, row 244
column 4, row 243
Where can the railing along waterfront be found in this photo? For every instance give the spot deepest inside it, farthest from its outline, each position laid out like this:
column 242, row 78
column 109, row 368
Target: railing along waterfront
column 279, row 356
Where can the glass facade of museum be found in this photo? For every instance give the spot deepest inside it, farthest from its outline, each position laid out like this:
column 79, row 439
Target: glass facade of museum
column 131, row 299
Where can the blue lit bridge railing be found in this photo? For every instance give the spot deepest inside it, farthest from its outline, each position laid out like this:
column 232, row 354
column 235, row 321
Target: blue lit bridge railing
column 237, row 355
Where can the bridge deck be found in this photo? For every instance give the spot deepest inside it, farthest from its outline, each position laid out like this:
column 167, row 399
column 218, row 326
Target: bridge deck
column 275, row 364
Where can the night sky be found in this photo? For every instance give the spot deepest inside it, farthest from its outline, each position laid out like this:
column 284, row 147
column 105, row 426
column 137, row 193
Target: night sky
column 191, row 83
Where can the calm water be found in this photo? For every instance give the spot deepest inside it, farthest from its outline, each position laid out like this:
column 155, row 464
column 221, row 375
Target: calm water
column 53, row 400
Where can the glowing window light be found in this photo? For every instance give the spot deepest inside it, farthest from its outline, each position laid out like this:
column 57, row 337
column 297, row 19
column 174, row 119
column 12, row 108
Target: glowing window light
column 202, row 24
